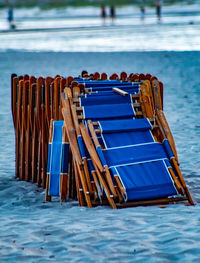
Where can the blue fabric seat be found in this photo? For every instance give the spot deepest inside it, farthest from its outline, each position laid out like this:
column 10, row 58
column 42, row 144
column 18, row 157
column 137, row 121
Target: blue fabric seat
column 145, row 181
column 58, row 154
column 108, row 111
column 92, row 83
column 142, row 169
column 105, row 99
column 124, row 132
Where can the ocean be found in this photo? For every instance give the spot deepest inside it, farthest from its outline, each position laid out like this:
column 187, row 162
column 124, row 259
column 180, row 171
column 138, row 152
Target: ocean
column 34, row 231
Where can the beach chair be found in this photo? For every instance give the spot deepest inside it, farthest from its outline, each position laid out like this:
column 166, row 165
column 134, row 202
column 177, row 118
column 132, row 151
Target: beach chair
column 118, row 133
column 143, row 170
column 15, row 114
column 109, row 140
column 57, row 167
column 115, row 106
column 93, row 186
column 29, row 129
column 81, row 182
column 106, row 111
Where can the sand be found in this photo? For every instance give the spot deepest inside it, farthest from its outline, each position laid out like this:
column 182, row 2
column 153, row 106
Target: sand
column 34, row 231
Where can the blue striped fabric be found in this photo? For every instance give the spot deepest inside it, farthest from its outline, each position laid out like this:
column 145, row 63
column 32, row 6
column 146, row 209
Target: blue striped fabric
column 92, row 83
column 58, row 158
column 56, row 155
column 99, row 100
column 142, row 169
column 146, row 181
column 65, row 158
column 117, row 133
column 127, row 138
column 127, row 125
column 108, row 111
column 81, row 146
column 133, row 154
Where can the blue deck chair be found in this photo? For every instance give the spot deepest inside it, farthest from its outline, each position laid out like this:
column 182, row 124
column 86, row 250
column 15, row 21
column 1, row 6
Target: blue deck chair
column 58, row 154
column 91, row 170
column 142, row 169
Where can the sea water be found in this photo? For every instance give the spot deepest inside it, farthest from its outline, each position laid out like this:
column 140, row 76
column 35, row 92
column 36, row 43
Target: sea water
column 34, row 231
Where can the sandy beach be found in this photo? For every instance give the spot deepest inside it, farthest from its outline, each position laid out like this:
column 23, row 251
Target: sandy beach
column 34, row 231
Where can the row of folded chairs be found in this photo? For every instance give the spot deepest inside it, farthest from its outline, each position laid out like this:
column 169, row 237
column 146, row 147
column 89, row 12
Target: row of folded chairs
column 103, row 141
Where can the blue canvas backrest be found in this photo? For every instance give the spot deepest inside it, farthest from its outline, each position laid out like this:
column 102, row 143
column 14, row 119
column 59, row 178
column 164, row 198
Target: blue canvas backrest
column 84, row 154
column 65, row 158
column 116, row 133
column 142, row 170
column 55, row 159
column 116, row 126
column 145, row 181
column 105, row 99
column 81, row 146
column 93, row 83
column 108, row 111
column 134, row 154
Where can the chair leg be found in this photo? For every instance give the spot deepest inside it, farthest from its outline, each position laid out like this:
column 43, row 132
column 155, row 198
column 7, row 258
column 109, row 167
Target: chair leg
column 48, row 197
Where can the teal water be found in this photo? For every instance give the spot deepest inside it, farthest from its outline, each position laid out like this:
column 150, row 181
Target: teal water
column 34, row 231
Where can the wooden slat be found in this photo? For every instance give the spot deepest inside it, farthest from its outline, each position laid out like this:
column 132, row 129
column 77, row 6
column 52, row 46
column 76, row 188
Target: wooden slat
column 120, row 91
column 152, row 202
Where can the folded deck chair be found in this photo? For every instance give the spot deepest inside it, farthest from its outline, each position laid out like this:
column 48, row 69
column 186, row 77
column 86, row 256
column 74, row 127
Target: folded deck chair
column 93, row 182
column 57, row 167
column 143, row 169
column 120, row 133
column 86, row 171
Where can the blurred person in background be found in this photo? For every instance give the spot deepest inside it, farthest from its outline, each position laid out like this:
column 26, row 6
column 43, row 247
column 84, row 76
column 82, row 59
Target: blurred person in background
column 11, row 18
column 103, row 13
column 142, row 11
column 112, row 12
column 158, row 9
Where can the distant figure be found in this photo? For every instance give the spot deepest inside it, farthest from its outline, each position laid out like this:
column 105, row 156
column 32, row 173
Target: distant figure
column 112, row 12
column 11, row 18
column 103, row 12
column 142, row 10
column 158, row 9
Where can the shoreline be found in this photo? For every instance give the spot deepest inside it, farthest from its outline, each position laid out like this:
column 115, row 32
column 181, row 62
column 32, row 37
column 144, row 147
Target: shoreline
column 53, row 4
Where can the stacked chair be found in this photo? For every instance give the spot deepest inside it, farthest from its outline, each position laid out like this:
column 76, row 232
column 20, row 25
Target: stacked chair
column 101, row 141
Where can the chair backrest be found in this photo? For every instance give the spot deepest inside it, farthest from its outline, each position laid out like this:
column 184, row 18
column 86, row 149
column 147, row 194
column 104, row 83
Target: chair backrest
column 108, row 111
column 116, row 133
column 54, row 167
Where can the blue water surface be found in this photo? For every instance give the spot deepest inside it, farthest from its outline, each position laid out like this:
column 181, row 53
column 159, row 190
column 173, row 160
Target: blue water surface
column 34, row 231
